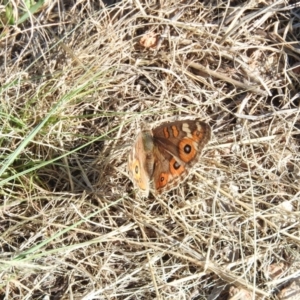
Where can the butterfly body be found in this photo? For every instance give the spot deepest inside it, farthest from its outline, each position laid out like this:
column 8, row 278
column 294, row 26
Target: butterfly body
column 166, row 154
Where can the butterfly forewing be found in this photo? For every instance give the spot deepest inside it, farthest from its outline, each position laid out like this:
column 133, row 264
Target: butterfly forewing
column 183, row 139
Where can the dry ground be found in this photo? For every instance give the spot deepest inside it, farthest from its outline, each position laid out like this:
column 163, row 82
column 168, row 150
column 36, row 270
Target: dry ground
column 76, row 85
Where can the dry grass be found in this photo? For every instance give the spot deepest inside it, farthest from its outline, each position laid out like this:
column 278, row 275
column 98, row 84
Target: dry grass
column 75, row 87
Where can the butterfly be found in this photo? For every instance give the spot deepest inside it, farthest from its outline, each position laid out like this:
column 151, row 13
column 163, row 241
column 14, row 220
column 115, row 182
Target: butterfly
column 166, row 153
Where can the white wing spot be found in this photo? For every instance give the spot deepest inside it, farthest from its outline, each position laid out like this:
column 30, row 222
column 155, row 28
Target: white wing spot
column 199, row 127
column 186, row 128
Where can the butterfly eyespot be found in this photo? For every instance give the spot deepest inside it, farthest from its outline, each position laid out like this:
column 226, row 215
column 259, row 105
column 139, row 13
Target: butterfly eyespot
column 136, row 169
column 162, row 179
column 176, row 165
column 187, row 148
